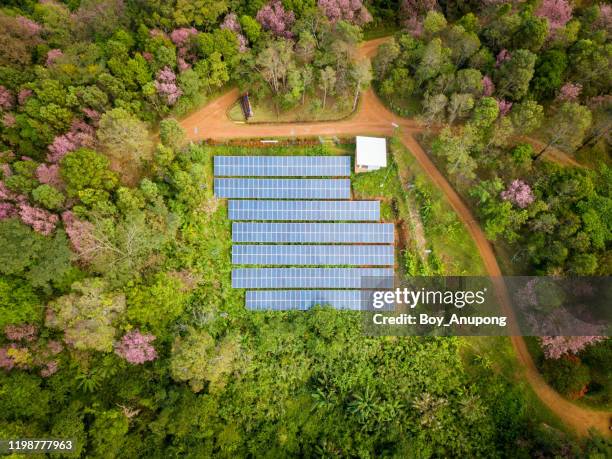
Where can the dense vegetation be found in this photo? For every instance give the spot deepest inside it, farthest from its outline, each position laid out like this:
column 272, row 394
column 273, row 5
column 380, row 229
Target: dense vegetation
column 119, row 328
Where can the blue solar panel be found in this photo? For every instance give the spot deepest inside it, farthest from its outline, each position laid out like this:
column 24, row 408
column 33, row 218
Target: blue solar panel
column 283, row 188
column 315, row 255
column 309, row 277
column 284, row 300
column 373, row 233
column 282, row 166
column 305, row 210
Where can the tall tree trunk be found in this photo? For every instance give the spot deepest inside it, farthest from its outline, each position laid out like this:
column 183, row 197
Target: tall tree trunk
column 356, row 98
column 324, row 96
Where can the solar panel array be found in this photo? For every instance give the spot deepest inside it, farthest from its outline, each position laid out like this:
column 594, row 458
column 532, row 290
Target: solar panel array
column 302, row 300
column 322, row 233
column 283, row 188
column 304, row 210
column 274, row 225
column 313, row 255
column 308, row 277
column 282, row 166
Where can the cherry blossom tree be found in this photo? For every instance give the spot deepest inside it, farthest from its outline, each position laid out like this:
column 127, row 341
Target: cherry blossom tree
column 6, row 98
column 9, row 120
column 40, row 220
column 230, row 22
column 502, row 56
column 25, row 332
column 7, row 210
column 80, row 135
column 413, row 12
column 23, row 95
column 81, row 235
column 49, row 174
column 555, row 347
column 519, row 193
column 166, row 86
column 569, row 92
column 504, row 107
column 488, row 87
column 181, row 37
column 28, row 27
column 348, row 10
column 273, row 17
column 135, row 347
column 52, row 56
column 557, row 12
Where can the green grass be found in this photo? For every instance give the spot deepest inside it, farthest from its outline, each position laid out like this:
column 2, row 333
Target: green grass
column 444, row 231
column 379, row 31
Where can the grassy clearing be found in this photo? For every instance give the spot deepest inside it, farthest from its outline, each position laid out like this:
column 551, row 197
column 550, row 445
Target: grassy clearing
column 379, row 31
column 264, row 111
column 444, row 231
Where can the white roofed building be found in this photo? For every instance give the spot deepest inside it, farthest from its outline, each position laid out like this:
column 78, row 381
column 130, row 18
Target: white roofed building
column 370, row 154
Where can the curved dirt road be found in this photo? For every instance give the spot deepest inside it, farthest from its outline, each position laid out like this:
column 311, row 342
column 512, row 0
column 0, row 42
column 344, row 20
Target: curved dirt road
column 372, row 117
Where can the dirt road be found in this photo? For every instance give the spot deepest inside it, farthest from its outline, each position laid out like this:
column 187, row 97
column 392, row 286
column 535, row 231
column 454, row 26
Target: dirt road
column 372, row 117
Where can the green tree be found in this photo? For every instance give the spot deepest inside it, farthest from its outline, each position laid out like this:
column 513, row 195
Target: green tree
column 549, row 73
column 198, row 12
column 49, row 197
column 514, row 74
column 197, row 359
column 361, row 76
column 567, row 127
column 86, row 315
column 18, row 303
column 172, row 134
column 156, row 303
column 85, row 169
column 123, row 137
column 527, row 116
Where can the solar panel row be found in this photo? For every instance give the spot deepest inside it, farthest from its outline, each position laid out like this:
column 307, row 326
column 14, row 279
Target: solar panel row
column 282, row 166
column 372, row 233
column 315, row 255
column 281, row 300
column 283, row 188
column 310, row 277
column 305, row 210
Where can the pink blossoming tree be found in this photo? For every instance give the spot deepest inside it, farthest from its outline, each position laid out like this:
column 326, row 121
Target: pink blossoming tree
column 52, row 56
column 6, row 98
column 25, row 332
column 80, row 135
column 557, row 12
column 40, row 220
column 488, row 87
column 502, row 57
column 135, row 347
column 81, row 235
column 555, row 347
column 230, row 22
column 49, row 174
column 570, row 92
column 28, row 27
column 9, row 120
column 348, row 10
column 7, row 210
column 504, row 107
column 23, row 95
column 273, row 17
column 519, row 193
column 166, row 86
